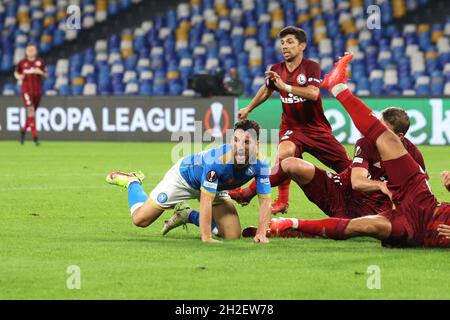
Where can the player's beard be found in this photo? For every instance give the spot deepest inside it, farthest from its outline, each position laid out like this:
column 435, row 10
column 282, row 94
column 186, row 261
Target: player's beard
column 241, row 158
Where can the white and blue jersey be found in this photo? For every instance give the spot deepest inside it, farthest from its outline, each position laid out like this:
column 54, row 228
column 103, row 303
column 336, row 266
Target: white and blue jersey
column 212, row 171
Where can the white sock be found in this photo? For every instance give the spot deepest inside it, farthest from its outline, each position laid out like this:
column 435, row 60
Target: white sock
column 338, row 88
column 135, row 207
column 294, row 223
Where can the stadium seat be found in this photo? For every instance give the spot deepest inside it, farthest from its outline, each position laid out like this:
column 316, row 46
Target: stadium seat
column 200, row 36
column 447, row 89
column 90, row 89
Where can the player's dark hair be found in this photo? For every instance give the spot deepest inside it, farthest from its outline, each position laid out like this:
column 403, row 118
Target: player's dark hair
column 248, row 125
column 299, row 33
column 397, row 118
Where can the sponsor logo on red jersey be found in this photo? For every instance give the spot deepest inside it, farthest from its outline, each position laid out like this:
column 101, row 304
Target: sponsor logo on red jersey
column 291, row 99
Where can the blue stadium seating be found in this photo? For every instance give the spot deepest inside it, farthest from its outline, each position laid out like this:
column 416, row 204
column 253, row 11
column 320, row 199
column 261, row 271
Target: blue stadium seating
column 159, row 56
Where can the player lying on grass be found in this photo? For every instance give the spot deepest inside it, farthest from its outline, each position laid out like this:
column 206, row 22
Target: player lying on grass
column 206, row 176
column 417, row 218
column 362, row 189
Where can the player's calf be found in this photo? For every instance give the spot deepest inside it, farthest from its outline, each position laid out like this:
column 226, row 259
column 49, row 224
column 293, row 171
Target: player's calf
column 143, row 211
column 372, row 226
column 22, row 136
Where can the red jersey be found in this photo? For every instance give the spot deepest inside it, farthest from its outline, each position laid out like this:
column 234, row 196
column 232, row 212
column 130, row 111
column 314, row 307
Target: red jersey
column 300, row 113
column 31, row 82
column 367, row 156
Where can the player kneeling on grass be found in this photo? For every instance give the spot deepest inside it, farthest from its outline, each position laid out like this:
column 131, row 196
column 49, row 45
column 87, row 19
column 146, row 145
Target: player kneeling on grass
column 205, row 176
column 418, row 219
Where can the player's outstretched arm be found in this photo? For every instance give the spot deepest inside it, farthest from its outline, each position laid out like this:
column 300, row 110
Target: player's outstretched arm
column 262, row 95
column 361, row 182
column 205, row 220
column 310, row 92
column 264, row 219
column 445, row 176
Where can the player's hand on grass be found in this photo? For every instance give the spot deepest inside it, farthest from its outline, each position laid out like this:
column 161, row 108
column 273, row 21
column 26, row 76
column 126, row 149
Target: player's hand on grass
column 444, row 230
column 261, row 238
column 210, row 240
column 243, row 113
column 445, row 177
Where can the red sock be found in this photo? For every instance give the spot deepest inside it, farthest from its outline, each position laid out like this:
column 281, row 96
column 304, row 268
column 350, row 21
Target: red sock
column 250, row 191
column 363, row 117
column 33, row 127
column 27, row 124
column 283, row 191
column 332, row 228
column 277, row 175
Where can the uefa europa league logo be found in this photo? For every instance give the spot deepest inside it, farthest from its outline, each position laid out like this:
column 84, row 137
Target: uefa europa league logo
column 216, row 110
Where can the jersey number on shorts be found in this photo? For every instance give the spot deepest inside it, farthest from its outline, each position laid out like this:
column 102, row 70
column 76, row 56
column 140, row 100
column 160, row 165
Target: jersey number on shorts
column 287, row 134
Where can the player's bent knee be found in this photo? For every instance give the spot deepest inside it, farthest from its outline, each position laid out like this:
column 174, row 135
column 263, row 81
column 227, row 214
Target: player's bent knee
column 139, row 220
column 286, row 154
column 141, row 223
column 232, row 234
column 293, row 165
column 286, row 150
column 288, row 165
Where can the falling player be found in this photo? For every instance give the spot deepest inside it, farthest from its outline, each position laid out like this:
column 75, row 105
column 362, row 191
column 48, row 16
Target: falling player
column 360, row 190
column 417, row 219
column 30, row 71
column 303, row 126
column 363, row 188
column 206, row 176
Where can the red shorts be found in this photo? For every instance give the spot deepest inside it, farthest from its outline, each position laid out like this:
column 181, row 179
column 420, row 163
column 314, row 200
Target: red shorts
column 334, row 195
column 324, row 146
column 31, row 99
column 413, row 219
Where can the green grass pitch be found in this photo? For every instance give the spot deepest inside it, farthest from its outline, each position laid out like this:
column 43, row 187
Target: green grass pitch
column 56, row 211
